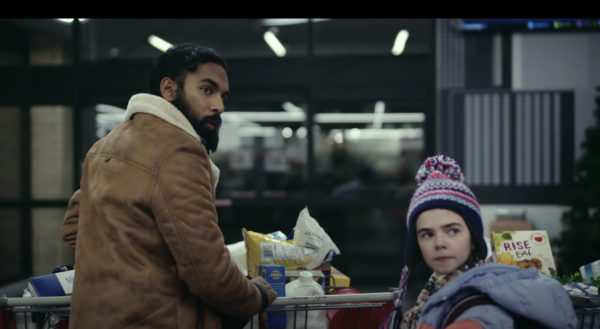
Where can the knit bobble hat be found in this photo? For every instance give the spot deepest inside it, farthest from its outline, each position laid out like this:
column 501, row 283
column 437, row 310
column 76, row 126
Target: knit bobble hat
column 441, row 185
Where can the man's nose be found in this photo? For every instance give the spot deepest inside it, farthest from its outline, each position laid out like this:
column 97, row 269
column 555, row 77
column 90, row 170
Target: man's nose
column 218, row 106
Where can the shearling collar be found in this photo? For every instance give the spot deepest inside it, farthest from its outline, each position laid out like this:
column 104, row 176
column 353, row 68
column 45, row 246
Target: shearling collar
column 159, row 107
column 163, row 109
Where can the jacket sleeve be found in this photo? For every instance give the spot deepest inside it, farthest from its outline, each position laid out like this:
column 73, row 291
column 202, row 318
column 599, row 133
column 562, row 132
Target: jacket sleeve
column 184, row 207
column 69, row 224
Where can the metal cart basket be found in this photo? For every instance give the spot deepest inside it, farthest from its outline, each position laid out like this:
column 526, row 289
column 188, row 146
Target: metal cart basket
column 347, row 311
column 35, row 312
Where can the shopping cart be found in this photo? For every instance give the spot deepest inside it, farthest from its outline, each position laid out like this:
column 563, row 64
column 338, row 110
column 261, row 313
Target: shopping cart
column 587, row 310
column 343, row 311
column 348, row 311
column 35, row 312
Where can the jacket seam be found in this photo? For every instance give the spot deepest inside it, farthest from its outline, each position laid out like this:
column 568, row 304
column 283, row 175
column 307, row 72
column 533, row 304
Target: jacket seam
column 158, row 186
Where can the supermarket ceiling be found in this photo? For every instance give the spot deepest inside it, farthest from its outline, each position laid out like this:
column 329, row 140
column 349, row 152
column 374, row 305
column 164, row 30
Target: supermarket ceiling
column 119, row 38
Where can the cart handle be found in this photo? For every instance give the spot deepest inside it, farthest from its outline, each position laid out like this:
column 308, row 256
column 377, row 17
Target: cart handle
column 342, row 298
column 34, row 301
column 297, row 300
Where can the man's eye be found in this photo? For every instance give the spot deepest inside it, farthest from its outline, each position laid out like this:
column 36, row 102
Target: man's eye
column 207, row 90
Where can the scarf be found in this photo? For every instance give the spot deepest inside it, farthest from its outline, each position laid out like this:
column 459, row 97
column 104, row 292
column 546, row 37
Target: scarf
column 410, row 319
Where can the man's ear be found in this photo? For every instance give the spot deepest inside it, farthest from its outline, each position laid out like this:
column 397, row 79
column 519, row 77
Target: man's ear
column 168, row 89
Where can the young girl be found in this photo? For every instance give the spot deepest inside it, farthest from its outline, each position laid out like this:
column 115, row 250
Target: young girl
column 445, row 231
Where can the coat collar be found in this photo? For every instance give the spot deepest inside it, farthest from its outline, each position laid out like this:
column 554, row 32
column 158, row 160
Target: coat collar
column 165, row 110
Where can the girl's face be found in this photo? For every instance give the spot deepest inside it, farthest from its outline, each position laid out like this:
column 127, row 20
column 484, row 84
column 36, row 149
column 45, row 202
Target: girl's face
column 444, row 240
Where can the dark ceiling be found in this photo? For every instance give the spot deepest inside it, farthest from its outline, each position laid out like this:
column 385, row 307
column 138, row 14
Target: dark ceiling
column 121, row 38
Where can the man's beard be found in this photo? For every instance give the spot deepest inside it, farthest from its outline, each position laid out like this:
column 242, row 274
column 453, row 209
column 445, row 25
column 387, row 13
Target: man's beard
column 210, row 136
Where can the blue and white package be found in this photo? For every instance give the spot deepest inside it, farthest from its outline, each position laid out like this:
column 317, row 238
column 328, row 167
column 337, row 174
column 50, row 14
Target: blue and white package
column 589, row 271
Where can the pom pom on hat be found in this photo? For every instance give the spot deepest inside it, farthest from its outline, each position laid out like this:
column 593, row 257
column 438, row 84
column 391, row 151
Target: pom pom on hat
column 441, row 186
column 433, row 166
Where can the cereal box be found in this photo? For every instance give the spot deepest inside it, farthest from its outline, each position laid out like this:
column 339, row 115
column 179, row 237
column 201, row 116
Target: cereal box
column 524, row 249
column 275, row 276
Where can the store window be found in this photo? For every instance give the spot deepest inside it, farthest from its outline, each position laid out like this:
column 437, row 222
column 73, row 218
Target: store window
column 10, row 171
column 363, row 152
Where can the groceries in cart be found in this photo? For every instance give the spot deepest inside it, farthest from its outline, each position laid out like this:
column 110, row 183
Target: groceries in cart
column 309, row 248
column 312, row 293
column 45, row 302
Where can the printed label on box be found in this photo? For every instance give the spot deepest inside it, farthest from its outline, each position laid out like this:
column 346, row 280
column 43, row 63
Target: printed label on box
column 55, row 284
column 275, row 276
column 524, row 249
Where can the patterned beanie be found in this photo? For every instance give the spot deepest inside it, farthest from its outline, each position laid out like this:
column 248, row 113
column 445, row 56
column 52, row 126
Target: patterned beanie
column 441, row 185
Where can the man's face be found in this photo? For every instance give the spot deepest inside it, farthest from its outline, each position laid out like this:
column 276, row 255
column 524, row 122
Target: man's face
column 200, row 97
column 444, row 240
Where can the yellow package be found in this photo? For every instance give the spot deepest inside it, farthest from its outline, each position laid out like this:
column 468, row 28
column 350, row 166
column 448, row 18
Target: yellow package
column 266, row 249
column 338, row 279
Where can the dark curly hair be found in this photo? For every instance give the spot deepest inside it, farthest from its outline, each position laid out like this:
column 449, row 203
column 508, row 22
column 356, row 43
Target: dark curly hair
column 177, row 61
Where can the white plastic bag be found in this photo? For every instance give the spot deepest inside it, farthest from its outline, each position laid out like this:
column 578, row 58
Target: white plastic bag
column 309, row 234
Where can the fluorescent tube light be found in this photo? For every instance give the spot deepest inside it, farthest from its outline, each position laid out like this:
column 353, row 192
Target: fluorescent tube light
column 400, row 42
column 291, row 107
column 378, row 114
column 265, row 116
column 290, row 21
column 257, row 131
column 105, row 108
column 159, row 43
column 368, row 117
column 274, row 44
column 379, row 133
column 70, row 20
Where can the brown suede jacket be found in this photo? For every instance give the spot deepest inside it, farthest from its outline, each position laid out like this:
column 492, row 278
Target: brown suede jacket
column 148, row 249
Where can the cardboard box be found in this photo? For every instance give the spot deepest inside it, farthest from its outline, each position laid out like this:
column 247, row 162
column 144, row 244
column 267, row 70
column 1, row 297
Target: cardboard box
column 338, row 279
column 511, row 225
column 524, row 249
column 275, row 276
column 589, row 271
column 55, row 284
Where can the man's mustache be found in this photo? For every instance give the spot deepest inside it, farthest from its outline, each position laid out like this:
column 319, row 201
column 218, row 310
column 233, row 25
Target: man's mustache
column 214, row 119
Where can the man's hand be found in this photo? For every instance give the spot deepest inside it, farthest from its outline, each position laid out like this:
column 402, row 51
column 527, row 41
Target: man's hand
column 271, row 294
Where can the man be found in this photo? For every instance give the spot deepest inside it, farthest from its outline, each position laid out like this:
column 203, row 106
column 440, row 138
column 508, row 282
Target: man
column 148, row 249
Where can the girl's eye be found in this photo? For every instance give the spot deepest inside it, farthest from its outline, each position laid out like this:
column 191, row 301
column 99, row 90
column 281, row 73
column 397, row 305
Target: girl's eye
column 453, row 231
column 207, row 90
column 425, row 235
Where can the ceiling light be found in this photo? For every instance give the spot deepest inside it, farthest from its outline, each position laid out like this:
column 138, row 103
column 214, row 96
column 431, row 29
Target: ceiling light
column 274, row 44
column 291, row 107
column 378, row 114
column 301, row 132
column 159, row 43
column 400, row 133
column 266, row 116
column 338, row 137
column 368, row 117
column 400, row 42
column 287, row 132
column 290, row 21
column 105, row 108
column 257, row 131
column 70, row 20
